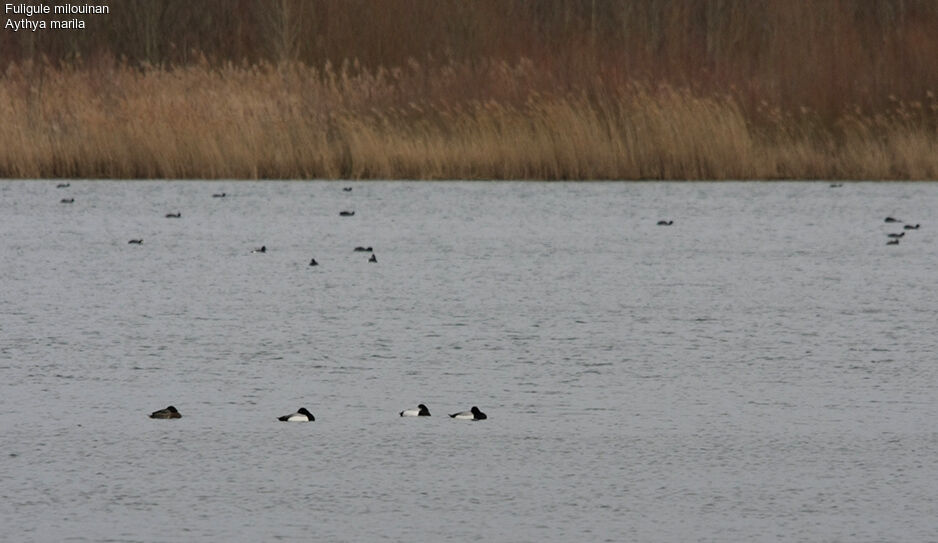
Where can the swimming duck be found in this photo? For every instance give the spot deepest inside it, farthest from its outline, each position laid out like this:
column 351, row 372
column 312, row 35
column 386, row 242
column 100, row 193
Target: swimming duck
column 312, row 262
column 68, row 200
column 665, row 223
column 135, row 242
column 63, row 185
column 911, row 227
column 899, row 235
column 421, row 411
column 361, row 249
column 176, row 215
column 261, row 249
column 347, row 189
column 892, row 242
column 346, row 213
column 891, row 219
column 168, row 413
column 472, row 414
column 373, row 258
column 301, row 415
column 219, row 195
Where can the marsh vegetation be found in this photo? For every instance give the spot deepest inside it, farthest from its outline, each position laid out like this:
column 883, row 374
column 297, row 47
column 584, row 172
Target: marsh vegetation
column 658, row 89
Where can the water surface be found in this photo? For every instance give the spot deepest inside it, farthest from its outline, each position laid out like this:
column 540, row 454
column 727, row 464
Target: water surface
column 763, row 369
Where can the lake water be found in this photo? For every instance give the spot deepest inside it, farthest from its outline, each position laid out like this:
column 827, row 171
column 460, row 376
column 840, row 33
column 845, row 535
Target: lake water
column 762, row 370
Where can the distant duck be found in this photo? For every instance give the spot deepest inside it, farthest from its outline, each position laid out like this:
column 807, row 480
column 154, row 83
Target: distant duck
column 421, row 411
column 472, row 414
column 347, row 189
column 168, row 413
column 219, row 195
column 301, row 415
column 665, row 223
column 176, row 215
column 361, row 249
column 891, row 219
column 346, row 213
column 910, row 227
column 836, row 185
column 312, row 262
column 373, row 258
column 892, row 242
column 899, row 235
column 63, row 185
column 261, row 249
column 135, row 242
column 68, row 200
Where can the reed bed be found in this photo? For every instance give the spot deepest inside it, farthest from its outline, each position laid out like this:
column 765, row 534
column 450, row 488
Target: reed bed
column 456, row 120
column 546, row 89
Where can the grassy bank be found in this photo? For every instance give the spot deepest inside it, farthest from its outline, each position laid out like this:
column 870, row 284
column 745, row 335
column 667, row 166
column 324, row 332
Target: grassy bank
column 485, row 120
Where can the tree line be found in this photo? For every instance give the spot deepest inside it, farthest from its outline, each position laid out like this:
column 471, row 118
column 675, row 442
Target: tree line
column 814, row 54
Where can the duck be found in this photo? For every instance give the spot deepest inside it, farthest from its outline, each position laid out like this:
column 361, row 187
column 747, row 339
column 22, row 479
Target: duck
column 312, row 262
column 68, row 200
column 176, row 215
column 135, row 242
column 899, row 235
column 836, row 185
column 261, row 249
column 472, row 414
column 63, row 185
column 421, row 411
column 219, row 195
column 361, row 249
column 347, row 189
column 911, row 227
column 346, row 213
column 665, row 223
column 891, row 219
column 168, row 413
column 301, row 415
column 892, row 242
column 373, row 258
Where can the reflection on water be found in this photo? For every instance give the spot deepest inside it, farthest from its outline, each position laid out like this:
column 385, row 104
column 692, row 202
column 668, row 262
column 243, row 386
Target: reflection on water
column 763, row 368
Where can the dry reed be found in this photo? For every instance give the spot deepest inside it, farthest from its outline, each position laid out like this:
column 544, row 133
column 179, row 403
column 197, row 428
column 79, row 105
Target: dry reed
column 552, row 89
column 484, row 120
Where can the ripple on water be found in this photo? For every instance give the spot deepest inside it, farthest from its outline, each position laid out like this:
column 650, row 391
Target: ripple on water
column 748, row 389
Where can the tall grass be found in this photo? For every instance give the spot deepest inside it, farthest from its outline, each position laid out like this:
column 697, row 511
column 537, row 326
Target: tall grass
column 468, row 120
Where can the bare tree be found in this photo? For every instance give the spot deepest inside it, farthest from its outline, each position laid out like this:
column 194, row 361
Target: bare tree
column 284, row 27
